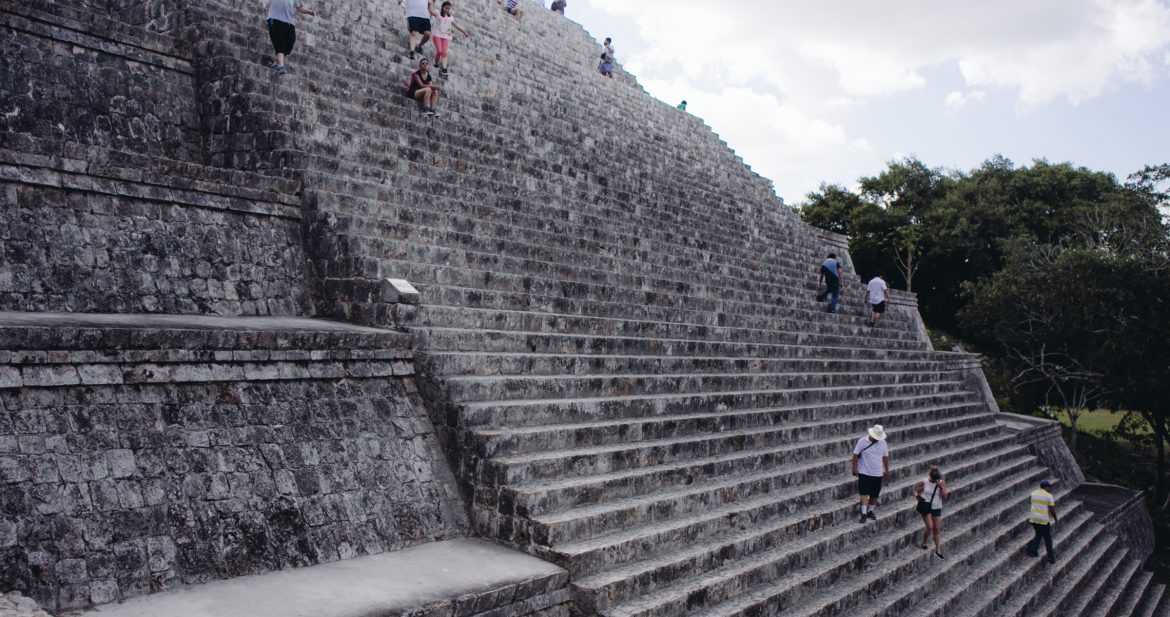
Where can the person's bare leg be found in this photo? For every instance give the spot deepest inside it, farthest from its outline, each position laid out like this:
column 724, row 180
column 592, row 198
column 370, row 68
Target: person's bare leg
column 937, row 529
column 280, row 59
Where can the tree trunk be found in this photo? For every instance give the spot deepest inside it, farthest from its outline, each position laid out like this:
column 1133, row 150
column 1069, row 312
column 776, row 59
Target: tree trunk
column 1072, row 439
column 1159, row 426
column 910, row 272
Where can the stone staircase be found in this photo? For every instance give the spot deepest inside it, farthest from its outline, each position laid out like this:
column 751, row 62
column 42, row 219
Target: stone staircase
column 617, row 338
column 625, row 361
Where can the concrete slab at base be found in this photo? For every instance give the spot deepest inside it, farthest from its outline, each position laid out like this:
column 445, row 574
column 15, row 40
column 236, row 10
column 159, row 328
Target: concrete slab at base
column 381, row 585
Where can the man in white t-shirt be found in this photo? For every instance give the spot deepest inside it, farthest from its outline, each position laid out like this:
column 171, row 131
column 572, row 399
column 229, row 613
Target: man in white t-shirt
column 875, row 293
column 871, row 463
column 418, row 22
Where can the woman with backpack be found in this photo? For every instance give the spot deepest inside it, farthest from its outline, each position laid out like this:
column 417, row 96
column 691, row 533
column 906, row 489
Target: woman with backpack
column 930, row 495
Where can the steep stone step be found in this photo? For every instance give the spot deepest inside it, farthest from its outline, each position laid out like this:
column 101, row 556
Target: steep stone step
column 620, row 495
column 530, row 340
column 540, row 276
column 553, row 411
column 891, row 584
column 1111, row 599
column 1155, row 600
column 781, row 577
column 553, row 320
column 802, row 420
column 588, row 522
column 1049, row 594
column 442, row 364
column 519, row 387
column 496, row 292
column 764, row 519
column 649, row 250
column 1007, row 575
column 1096, row 579
column 1134, row 594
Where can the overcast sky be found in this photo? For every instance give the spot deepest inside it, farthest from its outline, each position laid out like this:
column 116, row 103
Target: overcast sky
column 831, row 91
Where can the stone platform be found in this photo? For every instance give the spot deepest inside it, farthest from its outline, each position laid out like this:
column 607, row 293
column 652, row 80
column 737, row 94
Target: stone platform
column 441, row 579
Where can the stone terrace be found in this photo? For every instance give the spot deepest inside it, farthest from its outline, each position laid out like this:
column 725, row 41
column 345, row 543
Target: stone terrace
column 616, row 343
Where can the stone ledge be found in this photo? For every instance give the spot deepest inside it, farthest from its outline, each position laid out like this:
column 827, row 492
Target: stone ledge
column 76, row 337
column 65, row 31
column 47, row 175
column 458, row 577
column 69, row 157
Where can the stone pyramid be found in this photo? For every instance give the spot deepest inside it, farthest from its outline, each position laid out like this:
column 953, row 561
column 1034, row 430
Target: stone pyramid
column 609, row 392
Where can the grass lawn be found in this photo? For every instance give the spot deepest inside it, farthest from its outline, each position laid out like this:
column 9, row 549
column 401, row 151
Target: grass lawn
column 1100, row 421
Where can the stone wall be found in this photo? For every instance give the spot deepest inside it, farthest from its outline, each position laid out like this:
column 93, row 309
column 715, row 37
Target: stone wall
column 96, row 82
column 85, row 229
column 125, row 473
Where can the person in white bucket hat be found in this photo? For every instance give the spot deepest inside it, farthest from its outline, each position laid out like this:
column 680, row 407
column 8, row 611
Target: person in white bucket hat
column 871, row 463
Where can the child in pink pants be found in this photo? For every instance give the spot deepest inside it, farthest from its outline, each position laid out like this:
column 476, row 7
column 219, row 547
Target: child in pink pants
column 445, row 28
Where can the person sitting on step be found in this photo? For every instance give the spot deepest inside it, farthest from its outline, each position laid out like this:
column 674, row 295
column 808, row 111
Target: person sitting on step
column 422, row 88
column 513, row 8
column 445, row 28
column 282, row 29
column 559, row 6
column 418, row 22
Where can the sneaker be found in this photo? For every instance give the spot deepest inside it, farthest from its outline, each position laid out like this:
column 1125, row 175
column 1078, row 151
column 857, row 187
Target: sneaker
column 1031, row 554
column 418, row 50
column 274, row 66
column 280, row 70
column 862, row 519
column 412, row 54
column 434, row 112
column 871, row 515
column 939, row 556
column 1051, row 562
column 922, row 546
column 443, row 72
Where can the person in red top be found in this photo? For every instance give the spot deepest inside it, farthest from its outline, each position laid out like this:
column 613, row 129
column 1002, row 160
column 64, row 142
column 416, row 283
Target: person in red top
column 422, row 89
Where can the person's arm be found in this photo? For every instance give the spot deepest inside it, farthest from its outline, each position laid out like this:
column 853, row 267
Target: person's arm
column 886, row 466
column 942, row 490
column 855, row 463
column 918, row 489
column 465, row 33
column 1052, row 511
column 304, row 11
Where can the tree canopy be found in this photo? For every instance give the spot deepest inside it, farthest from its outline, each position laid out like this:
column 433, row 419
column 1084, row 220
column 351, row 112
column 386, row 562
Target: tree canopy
column 1060, row 273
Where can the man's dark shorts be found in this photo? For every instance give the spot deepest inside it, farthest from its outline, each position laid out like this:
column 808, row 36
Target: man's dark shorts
column 869, row 485
column 880, row 307
column 283, row 35
column 418, row 24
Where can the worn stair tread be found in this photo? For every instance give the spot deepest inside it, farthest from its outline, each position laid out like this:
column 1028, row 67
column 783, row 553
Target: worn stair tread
column 603, row 578
column 743, row 505
column 653, row 443
column 790, row 580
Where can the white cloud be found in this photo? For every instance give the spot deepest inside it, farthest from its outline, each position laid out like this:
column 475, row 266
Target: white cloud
column 811, row 69
column 957, row 100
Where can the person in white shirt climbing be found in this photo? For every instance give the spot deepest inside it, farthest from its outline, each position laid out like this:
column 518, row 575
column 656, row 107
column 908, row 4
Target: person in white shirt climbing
column 871, row 463
column 875, row 294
